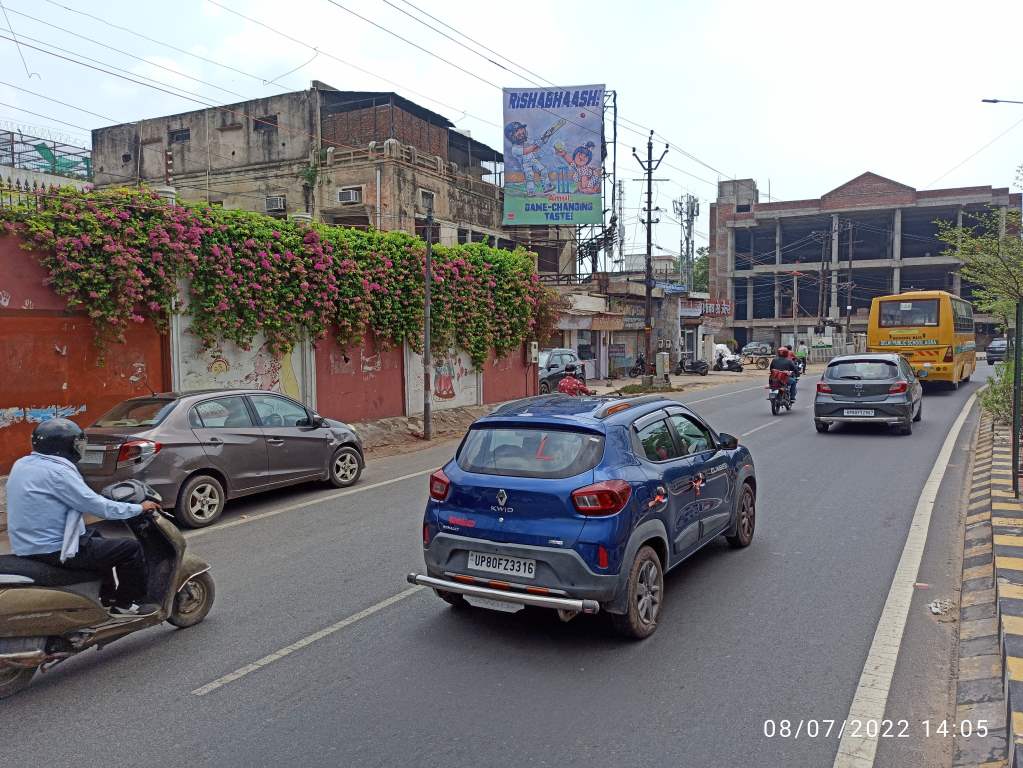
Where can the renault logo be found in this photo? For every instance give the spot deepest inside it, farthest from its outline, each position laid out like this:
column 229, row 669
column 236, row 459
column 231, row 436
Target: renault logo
column 502, row 497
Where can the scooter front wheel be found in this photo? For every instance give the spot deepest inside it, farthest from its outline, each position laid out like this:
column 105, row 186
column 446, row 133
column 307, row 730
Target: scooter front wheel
column 193, row 601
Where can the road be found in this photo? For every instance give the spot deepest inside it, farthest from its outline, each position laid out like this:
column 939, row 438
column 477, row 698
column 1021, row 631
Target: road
column 778, row 630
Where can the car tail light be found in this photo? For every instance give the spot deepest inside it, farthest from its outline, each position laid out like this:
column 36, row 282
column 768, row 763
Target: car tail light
column 601, row 556
column 134, row 450
column 948, row 355
column 898, row 388
column 426, row 535
column 823, row 388
column 439, row 485
column 606, row 498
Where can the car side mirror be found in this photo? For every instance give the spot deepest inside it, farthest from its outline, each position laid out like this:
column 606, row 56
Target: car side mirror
column 551, row 366
column 727, row 442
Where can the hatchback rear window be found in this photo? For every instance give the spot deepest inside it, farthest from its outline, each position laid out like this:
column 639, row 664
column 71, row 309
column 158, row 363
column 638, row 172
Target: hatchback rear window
column 998, row 344
column 863, row 370
column 136, row 413
column 527, row 452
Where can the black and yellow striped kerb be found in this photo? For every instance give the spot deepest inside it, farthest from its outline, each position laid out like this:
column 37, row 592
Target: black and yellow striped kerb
column 980, row 689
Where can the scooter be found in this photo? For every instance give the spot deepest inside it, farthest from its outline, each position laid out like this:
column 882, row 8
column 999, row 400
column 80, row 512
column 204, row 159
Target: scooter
column 731, row 363
column 690, row 365
column 50, row 614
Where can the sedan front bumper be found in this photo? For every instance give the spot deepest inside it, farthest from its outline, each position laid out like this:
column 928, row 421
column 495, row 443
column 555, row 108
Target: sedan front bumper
column 518, row 598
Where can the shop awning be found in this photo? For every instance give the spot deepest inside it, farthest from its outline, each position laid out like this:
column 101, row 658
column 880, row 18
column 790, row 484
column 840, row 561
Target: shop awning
column 586, row 320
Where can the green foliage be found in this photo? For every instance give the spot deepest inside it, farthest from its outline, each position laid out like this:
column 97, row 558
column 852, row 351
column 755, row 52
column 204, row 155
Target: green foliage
column 120, row 255
column 992, row 253
column 996, row 398
column 701, row 270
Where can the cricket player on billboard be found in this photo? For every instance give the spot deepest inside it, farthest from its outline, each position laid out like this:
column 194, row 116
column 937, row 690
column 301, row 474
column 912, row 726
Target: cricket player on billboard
column 553, row 155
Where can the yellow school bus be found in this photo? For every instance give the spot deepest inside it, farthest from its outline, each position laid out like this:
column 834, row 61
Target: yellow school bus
column 931, row 329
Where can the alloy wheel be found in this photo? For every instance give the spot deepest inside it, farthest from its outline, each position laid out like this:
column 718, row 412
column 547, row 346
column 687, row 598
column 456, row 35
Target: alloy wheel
column 747, row 516
column 648, row 592
column 346, row 467
column 204, row 502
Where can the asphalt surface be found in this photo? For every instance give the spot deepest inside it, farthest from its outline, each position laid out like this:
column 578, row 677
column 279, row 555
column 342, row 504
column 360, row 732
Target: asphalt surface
column 778, row 630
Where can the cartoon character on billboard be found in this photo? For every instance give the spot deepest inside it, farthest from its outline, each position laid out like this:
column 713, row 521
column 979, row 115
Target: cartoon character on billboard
column 527, row 156
column 443, row 379
column 586, row 177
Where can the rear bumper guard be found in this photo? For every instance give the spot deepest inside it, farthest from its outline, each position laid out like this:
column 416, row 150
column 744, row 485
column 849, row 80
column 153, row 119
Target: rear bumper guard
column 886, row 419
column 520, row 598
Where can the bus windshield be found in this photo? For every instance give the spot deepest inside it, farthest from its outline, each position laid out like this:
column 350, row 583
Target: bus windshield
column 909, row 313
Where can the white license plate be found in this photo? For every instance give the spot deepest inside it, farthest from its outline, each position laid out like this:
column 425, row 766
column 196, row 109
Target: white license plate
column 509, row 566
column 858, row 412
column 93, row 456
column 493, row 605
column 774, row 391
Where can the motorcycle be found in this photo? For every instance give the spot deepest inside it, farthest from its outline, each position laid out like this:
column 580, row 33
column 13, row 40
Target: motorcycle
column 731, row 363
column 639, row 368
column 693, row 366
column 778, row 392
column 50, row 614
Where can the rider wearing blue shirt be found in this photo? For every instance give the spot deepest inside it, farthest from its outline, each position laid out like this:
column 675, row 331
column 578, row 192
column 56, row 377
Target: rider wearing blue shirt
column 46, row 501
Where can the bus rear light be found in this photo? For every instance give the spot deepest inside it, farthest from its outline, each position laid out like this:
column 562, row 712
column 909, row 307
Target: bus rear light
column 948, row 355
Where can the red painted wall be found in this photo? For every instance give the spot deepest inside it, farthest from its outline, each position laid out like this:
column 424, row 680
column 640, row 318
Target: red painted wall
column 51, row 363
column 359, row 384
column 509, row 378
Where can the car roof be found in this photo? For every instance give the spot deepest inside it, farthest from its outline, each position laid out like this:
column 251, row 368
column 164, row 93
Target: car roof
column 590, row 412
column 888, row 357
column 188, row 393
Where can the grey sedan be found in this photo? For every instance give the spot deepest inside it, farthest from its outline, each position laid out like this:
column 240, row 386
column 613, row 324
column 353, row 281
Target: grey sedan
column 873, row 388
column 199, row 449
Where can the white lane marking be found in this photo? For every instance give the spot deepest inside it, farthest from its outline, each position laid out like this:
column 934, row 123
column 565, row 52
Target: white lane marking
column 856, row 750
column 726, row 394
column 298, row 645
column 304, row 504
column 757, row 429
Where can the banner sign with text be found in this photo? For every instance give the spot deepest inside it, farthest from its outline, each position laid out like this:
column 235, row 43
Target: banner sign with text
column 553, row 155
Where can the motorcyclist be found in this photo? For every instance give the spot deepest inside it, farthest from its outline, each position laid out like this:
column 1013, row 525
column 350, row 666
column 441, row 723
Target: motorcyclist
column 784, row 362
column 46, row 501
column 570, row 384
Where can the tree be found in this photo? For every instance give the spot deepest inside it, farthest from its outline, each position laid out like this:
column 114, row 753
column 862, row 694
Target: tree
column 701, row 269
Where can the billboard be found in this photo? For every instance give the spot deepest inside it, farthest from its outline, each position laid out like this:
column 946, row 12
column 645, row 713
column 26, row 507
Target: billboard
column 553, row 155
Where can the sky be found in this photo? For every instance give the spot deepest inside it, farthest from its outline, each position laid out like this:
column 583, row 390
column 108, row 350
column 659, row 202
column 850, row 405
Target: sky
column 800, row 96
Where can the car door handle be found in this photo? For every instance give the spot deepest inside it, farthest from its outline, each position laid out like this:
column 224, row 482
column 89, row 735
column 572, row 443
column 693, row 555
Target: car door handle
column 214, row 441
column 275, row 441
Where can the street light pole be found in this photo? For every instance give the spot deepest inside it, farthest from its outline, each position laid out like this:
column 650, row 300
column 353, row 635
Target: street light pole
column 1017, row 361
column 427, row 355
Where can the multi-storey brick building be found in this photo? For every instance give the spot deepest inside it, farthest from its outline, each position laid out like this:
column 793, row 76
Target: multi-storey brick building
column 797, row 263
column 361, row 159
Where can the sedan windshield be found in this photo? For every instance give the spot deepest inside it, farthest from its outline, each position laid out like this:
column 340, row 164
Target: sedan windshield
column 136, row 413
column 863, row 370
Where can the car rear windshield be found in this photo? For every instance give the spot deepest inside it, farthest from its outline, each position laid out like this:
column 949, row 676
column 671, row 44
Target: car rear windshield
column 998, row 344
column 529, row 452
column 863, row 370
column 136, row 413
column 904, row 314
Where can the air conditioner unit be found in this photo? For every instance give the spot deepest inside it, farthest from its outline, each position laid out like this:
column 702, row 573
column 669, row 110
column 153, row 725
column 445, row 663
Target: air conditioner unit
column 276, row 203
column 350, row 195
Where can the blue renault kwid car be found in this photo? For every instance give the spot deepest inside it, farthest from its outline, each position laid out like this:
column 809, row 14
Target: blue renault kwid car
column 582, row 504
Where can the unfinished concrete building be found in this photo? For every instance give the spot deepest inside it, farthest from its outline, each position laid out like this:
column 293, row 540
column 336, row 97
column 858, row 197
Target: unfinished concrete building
column 791, row 266
column 353, row 158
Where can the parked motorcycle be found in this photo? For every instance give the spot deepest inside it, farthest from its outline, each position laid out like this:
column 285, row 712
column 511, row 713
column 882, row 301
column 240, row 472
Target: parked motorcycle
column 693, row 366
column 778, row 392
column 50, row 614
column 731, row 363
column 639, row 368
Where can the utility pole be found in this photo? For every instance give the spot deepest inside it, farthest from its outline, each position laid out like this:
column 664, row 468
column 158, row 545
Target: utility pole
column 687, row 209
column 848, row 290
column 649, row 167
column 795, row 309
column 621, row 222
column 1017, row 363
column 427, row 354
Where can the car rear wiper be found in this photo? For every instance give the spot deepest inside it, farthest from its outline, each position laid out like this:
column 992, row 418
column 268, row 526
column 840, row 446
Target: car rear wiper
column 851, row 377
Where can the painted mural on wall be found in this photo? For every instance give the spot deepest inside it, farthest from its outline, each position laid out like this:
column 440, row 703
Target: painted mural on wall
column 35, row 414
column 454, row 381
column 228, row 365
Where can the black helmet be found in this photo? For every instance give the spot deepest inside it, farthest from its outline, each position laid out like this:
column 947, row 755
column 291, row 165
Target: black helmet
column 59, row 437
